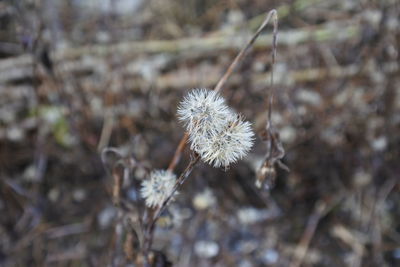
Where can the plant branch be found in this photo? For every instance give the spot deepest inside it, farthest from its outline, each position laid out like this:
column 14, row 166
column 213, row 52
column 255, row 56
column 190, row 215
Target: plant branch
column 149, row 232
column 178, row 152
column 273, row 55
column 228, row 73
column 244, row 51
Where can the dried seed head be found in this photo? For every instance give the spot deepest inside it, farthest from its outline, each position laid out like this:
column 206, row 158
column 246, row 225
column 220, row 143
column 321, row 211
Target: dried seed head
column 216, row 132
column 203, row 110
column 228, row 145
column 158, row 187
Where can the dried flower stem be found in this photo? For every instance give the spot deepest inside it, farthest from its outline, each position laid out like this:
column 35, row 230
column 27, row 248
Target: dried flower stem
column 272, row 14
column 178, row 152
column 275, row 152
column 149, row 232
column 274, row 48
column 182, row 178
column 244, row 50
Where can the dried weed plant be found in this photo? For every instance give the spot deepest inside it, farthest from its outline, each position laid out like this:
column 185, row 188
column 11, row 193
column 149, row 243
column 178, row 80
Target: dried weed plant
column 217, row 135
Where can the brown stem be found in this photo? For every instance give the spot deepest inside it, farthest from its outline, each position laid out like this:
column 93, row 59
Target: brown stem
column 228, row 73
column 321, row 209
column 149, row 232
column 178, row 152
column 244, row 50
column 182, row 178
column 274, row 48
column 312, row 223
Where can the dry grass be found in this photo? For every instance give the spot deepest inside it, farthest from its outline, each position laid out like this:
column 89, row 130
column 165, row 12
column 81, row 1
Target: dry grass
column 75, row 83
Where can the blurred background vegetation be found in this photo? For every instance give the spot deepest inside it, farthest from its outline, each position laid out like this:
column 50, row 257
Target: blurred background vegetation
column 79, row 76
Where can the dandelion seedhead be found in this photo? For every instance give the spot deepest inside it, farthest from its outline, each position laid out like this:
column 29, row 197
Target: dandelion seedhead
column 158, row 188
column 216, row 132
column 228, row 145
column 203, row 110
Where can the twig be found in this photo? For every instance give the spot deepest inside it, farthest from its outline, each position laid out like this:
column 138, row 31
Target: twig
column 355, row 242
column 182, row 178
column 302, row 247
column 178, row 152
column 149, row 232
column 266, row 174
column 66, row 230
column 376, row 219
column 244, row 50
column 120, row 171
column 106, row 131
column 274, row 49
column 320, row 210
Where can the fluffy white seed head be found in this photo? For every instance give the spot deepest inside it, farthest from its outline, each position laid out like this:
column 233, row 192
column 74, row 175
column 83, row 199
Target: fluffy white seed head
column 216, row 132
column 202, row 111
column 228, row 145
column 158, row 187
